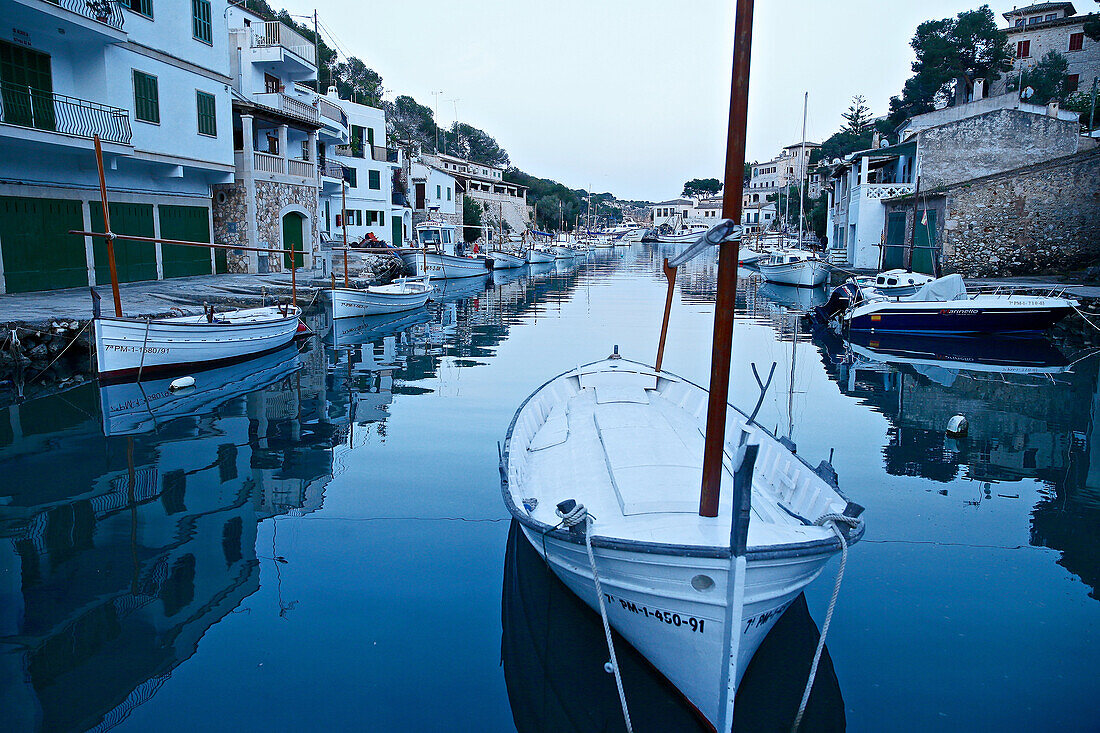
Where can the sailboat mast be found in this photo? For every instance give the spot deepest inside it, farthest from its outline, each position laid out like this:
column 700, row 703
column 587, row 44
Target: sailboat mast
column 802, row 169
column 722, row 348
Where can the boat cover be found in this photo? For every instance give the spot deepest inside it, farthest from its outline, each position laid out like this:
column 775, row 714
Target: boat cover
column 949, row 287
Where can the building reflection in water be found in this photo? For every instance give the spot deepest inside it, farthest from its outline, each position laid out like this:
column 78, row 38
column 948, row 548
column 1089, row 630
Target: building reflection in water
column 110, row 577
column 1033, row 414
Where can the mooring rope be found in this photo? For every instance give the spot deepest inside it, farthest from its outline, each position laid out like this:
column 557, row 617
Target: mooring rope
column 571, row 519
column 833, row 520
column 59, row 354
column 1085, row 318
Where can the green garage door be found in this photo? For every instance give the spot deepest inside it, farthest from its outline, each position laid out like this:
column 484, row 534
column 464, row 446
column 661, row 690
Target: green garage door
column 893, row 254
column 134, row 260
column 190, row 223
column 293, row 238
column 395, row 231
column 924, row 251
column 39, row 253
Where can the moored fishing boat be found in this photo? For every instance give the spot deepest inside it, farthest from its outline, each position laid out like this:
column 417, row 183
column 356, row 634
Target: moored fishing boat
column 401, row 295
column 794, row 267
column 563, row 252
column 438, row 253
column 127, row 347
column 506, row 260
column 539, row 254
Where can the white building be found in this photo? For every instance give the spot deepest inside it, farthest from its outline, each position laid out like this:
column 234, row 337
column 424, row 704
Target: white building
column 435, row 194
column 368, row 168
column 786, row 169
column 155, row 87
column 486, row 185
column 666, row 210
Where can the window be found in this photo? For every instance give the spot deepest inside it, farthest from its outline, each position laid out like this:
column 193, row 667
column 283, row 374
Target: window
column 141, row 7
column 271, row 84
column 208, row 118
column 1051, row 16
column 374, row 180
column 1034, row 20
column 1023, row 49
column 1076, row 41
column 146, row 98
column 201, row 28
column 1073, row 82
column 352, row 177
column 357, row 136
column 1019, row 22
column 448, row 193
column 438, row 192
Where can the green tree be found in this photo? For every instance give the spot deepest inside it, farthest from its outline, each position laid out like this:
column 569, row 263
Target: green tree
column 358, row 83
column 951, row 54
column 1048, row 78
column 1092, row 29
column 858, row 117
column 410, row 125
column 471, row 218
column 466, row 141
column 1081, row 103
column 845, row 141
column 702, row 187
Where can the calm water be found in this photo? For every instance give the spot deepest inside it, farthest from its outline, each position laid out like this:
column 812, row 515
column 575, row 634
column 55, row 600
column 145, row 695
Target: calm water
column 317, row 540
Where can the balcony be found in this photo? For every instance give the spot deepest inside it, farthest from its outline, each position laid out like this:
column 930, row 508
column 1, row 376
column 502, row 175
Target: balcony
column 333, row 170
column 276, row 36
column 382, row 155
column 56, row 113
column 332, row 112
column 83, row 21
column 277, row 165
column 886, row 190
column 289, row 106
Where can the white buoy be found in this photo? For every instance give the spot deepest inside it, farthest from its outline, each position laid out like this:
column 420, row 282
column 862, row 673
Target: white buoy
column 957, row 426
column 182, row 383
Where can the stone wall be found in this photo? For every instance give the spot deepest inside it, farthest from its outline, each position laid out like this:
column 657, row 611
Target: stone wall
column 991, row 143
column 271, row 198
column 515, row 210
column 231, row 222
column 1039, row 219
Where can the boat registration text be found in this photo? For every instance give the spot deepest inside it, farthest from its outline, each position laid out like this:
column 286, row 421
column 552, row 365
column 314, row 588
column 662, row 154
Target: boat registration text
column 669, row 617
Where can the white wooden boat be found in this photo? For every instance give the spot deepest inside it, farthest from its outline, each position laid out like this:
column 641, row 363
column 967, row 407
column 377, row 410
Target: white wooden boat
column 401, row 295
column 506, row 260
column 794, row 267
column 125, row 347
column 563, row 252
column 538, row 255
column 627, row 443
column 437, row 252
column 130, row 408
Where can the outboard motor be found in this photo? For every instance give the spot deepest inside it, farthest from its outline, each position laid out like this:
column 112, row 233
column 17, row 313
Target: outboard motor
column 841, row 299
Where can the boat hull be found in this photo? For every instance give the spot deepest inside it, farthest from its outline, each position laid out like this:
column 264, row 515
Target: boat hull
column 348, row 303
column 443, row 267
column 538, row 257
column 563, row 253
column 953, row 318
column 680, row 630
column 125, row 347
column 804, row 273
column 505, row 260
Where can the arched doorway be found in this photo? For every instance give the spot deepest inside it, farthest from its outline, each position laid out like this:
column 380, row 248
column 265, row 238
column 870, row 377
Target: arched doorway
column 293, row 238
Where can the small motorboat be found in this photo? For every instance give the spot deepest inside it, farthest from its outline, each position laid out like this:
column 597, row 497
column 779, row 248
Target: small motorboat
column 794, row 267
column 437, row 252
column 945, row 306
column 895, row 283
column 506, row 260
column 626, row 442
column 540, row 254
column 403, row 294
column 127, row 347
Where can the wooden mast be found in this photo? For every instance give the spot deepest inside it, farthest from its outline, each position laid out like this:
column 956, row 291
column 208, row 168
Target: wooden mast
column 344, row 221
column 107, row 233
column 722, row 347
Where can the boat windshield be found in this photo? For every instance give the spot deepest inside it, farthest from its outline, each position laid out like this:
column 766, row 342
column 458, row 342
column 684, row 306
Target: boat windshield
column 429, row 236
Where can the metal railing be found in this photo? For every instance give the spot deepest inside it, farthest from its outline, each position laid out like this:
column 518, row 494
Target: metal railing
column 289, row 105
column 101, row 11
column 29, row 107
column 333, row 170
column 274, row 33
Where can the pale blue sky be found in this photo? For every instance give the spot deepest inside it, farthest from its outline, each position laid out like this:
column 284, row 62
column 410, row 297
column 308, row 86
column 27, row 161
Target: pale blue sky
column 631, row 96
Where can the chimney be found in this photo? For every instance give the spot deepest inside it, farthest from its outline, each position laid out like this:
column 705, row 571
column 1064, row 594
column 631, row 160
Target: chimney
column 1052, row 109
column 876, row 139
column 979, row 89
column 332, row 91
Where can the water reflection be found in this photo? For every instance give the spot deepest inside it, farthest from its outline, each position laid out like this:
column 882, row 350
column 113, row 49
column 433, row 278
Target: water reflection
column 553, row 651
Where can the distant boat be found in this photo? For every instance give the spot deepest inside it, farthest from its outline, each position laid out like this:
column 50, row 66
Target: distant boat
column 945, row 306
column 627, row 441
column 895, row 283
column 794, row 267
column 540, row 254
column 506, row 260
column 127, row 347
column 401, row 295
column 436, row 252
column 563, row 252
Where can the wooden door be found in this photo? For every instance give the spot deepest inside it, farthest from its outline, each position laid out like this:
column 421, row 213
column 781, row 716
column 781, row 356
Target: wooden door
column 293, row 238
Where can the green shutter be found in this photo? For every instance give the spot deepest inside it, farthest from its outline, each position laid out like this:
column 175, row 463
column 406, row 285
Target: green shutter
column 144, row 7
column 188, row 224
column 201, row 28
column 893, row 255
column 146, row 97
column 352, row 177
column 381, row 218
column 26, row 87
column 207, row 112
column 374, row 180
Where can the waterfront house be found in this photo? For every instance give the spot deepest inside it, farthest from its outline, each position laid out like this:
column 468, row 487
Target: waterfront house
column 758, row 217
column 485, row 184
column 367, row 167
column 272, row 201
column 667, row 210
column 435, row 194
column 152, row 79
column 1035, row 30
column 945, row 147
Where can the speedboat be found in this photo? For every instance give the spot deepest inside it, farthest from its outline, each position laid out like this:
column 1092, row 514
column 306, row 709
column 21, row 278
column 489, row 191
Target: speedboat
column 626, row 441
column 437, row 252
column 895, row 283
column 401, row 295
column 794, row 267
column 945, row 306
